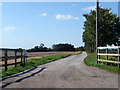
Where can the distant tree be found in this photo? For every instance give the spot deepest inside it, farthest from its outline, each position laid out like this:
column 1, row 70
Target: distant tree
column 49, row 49
column 36, row 48
column 20, row 48
column 42, row 45
column 109, row 29
column 44, row 49
column 40, row 48
column 63, row 47
column 79, row 48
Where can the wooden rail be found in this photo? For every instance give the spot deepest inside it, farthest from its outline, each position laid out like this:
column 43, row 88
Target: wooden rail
column 108, row 54
column 5, row 58
column 10, row 57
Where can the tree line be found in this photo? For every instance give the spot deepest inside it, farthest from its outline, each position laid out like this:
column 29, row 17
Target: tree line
column 55, row 47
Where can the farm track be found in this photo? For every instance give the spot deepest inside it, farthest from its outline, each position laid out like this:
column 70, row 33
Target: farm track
column 70, row 72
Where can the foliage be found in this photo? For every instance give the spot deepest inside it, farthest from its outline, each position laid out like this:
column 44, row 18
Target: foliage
column 40, row 48
column 109, row 29
column 79, row 48
column 56, row 47
column 63, row 47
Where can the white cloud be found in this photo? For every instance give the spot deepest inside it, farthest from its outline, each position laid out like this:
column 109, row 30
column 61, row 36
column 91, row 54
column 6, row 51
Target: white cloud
column 44, row 14
column 9, row 28
column 66, row 17
column 89, row 8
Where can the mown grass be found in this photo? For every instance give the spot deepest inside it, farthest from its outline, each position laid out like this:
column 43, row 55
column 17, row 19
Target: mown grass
column 91, row 61
column 31, row 63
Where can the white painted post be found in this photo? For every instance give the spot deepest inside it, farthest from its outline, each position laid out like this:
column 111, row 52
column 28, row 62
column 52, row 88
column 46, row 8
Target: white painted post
column 24, row 55
column 118, row 57
column 98, row 56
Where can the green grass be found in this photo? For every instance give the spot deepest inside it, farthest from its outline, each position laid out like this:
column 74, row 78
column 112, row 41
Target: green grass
column 109, row 58
column 91, row 61
column 31, row 63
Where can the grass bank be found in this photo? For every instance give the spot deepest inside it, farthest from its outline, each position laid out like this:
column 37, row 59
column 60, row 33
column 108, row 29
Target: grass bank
column 91, row 61
column 34, row 62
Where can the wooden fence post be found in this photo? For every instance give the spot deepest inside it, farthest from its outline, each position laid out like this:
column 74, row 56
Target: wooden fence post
column 15, row 58
column 23, row 60
column 21, row 57
column 118, row 57
column 5, row 60
column 107, row 56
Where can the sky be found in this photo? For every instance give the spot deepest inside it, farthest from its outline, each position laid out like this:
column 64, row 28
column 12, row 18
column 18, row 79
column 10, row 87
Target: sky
column 27, row 24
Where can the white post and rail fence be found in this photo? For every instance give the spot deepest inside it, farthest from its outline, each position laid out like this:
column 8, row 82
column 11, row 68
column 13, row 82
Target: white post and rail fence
column 107, row 54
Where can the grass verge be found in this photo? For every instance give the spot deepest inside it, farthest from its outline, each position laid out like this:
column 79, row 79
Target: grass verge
column 91, row 61
column 31, row 63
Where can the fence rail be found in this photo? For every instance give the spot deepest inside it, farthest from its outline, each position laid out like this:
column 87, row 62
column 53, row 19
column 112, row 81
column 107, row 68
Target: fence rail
column 109, row 47
column 10, row 57
column 108, row 54
column 5, row 58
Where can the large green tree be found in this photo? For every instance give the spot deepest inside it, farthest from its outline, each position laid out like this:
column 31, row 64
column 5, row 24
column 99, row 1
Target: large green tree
column 109, row 29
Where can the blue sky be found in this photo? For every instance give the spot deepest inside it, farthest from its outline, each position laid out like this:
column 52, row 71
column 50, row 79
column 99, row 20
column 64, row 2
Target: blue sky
column 27, row 24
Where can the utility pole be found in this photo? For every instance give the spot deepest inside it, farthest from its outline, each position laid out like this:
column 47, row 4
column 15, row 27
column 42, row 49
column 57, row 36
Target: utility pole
column 97, row 25
column 119, row 16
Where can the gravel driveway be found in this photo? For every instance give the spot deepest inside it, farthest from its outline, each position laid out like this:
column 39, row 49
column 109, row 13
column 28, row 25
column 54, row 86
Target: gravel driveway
column 70, row 72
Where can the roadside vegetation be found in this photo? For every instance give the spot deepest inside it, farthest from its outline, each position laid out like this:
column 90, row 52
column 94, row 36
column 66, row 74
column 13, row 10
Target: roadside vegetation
column 109, row 34
column 34, row 62
column 91, row 61
column 109, row 29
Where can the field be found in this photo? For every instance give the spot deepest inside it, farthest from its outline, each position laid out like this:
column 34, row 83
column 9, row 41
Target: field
column 33, row 55
column 41, row 54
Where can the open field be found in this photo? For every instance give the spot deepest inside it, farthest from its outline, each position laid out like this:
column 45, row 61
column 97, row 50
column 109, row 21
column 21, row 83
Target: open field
column 34, row 55
column 41, row 54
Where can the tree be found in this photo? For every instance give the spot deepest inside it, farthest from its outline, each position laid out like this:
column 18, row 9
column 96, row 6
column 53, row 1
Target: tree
column 41, row 45
column 63, row 47
column 79, row 48
column 109, row 29
column 36, row 48
column 40, row 48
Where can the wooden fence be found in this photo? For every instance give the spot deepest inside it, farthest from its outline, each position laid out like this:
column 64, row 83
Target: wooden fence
column 109, row 54
column 5, row 57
